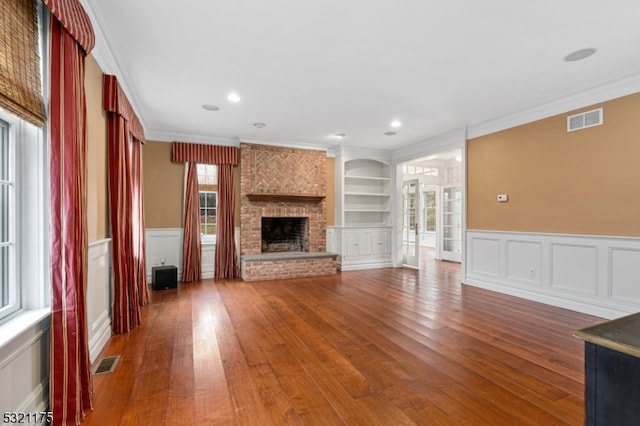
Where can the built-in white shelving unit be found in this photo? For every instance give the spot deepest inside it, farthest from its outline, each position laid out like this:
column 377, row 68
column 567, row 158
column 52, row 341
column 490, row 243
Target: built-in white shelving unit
column 362, row 234
column 367, row 193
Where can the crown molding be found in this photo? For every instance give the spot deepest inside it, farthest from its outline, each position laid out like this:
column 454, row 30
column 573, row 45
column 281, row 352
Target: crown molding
column 616, row 89
column 286, row 144
column 353, row 152
column 160, row 135
column 449, row 141
column 107, row 60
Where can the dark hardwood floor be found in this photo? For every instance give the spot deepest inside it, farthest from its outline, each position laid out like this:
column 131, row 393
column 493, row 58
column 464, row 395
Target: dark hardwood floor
column 387, row 346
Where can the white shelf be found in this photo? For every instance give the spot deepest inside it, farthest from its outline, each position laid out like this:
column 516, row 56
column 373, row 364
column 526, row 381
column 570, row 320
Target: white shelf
column 368, row 194
column 376, row 178
column 366, row 211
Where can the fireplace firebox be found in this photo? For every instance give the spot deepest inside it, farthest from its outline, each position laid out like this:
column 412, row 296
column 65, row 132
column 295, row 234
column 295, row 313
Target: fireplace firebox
column 285, row 234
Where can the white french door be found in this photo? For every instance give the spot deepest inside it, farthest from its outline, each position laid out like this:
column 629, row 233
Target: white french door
column 411, row 223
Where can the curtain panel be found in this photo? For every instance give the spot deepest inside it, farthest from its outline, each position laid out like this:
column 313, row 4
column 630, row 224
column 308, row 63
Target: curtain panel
column 126, row 209
column 20, row 89
column 225, row 157
column 70, row 377
column 191, row 244
column 226, row 262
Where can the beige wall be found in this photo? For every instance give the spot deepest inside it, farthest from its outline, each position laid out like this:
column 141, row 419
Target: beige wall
column 163, row 186
column 97, row 207
column 331, row 191
column 582, row 182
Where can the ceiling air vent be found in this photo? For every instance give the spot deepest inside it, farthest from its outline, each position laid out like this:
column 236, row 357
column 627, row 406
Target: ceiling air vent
column 584, row 120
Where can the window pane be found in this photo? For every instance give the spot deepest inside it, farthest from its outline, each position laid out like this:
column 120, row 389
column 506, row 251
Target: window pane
column 4, row 276
column 4, row 151
column 211, row 199
column 207, row 174
column 4, row 213
column 202, row 200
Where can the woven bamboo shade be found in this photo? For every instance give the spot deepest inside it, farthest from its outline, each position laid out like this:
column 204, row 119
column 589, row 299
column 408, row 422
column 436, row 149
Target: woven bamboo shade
column 20, row 87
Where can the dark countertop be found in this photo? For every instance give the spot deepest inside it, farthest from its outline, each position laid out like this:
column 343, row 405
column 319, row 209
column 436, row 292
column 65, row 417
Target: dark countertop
column 622, row 335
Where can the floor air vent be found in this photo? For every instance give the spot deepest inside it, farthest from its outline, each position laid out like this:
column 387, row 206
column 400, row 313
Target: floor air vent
column 584, row 120
column 106, row 365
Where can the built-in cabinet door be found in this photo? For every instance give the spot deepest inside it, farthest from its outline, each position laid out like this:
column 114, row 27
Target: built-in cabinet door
column 381, row 243
column 350, row 244
column 366, row 243
column 357, row 244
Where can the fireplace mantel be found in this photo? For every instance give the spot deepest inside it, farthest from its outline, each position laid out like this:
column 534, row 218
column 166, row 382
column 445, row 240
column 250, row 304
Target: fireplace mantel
column 286, row 198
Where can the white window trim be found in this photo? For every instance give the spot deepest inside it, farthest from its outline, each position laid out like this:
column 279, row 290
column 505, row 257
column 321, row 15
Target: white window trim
column 31, row 233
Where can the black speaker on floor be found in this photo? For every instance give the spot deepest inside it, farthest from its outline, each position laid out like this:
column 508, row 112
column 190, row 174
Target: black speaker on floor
column 164, row 277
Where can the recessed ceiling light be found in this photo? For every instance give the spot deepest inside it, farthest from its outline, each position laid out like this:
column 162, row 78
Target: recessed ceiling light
column 209, row 107
column 259, row 125
column 340, row 135
column 233, row 97
column 396, row 123
column 580, row 54
column 390, row 133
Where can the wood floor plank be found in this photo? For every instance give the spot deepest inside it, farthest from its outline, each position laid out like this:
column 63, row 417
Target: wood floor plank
column 386, row 346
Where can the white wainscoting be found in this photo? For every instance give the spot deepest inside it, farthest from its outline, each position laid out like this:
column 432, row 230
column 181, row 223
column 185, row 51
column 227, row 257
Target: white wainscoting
column 163, row 244
column 24, row 364
column 166, row 244
column 591, row 274
column 208, row 260
column 331, row 240
column 99, row 295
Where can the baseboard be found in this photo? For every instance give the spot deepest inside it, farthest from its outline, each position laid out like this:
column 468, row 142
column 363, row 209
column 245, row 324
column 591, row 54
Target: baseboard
column 363, row 266
column 102, row 336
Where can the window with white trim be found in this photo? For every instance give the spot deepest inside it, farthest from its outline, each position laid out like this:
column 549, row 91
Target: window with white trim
column 24, row 209
column 208, row 191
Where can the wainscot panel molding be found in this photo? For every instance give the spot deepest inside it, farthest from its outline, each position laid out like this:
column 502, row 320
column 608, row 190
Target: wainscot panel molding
column 208, row 260
column 99, row 296
column 166, row 243
column 596, row 275
column 331, row 239
column 163, row 244
column 24, row 365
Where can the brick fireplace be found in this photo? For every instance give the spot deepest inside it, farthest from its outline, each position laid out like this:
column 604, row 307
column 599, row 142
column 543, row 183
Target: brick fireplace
column 288, row 184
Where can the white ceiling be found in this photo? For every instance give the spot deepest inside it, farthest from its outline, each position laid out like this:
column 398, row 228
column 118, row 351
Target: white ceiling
column 309, row 69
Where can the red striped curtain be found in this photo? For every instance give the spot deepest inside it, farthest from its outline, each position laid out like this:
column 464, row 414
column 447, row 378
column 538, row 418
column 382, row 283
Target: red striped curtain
column 130, row 289
column 191, row 245
column 70, row 379
column 225, row 157
column 226, row 265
